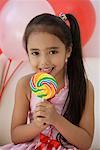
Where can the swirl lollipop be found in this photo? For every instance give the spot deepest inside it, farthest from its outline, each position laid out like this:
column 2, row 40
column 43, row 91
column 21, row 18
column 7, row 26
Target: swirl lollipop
column 43, row 85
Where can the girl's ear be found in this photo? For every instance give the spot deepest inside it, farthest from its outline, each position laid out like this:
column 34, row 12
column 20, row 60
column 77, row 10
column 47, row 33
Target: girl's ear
column 68, row 52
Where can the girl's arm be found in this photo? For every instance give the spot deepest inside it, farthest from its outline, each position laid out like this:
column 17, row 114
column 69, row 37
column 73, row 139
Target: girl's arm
column 20, row 130
column 81, row 136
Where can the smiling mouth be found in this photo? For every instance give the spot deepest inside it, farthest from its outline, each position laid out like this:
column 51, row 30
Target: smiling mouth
column 47, row 70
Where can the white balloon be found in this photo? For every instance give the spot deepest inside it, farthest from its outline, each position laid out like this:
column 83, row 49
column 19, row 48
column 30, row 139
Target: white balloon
column 13, row 19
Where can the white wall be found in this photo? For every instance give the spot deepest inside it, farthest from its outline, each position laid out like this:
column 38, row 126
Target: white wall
column 93, row 71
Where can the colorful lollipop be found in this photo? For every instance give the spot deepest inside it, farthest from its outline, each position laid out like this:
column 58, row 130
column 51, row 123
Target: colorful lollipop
column 43, row 85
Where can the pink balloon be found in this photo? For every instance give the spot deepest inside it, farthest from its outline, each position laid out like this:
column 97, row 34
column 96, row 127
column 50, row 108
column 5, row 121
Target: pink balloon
column 13, row 19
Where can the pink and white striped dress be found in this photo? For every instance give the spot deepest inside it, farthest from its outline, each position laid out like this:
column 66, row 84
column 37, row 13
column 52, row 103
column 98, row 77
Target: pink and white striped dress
column 47, row 139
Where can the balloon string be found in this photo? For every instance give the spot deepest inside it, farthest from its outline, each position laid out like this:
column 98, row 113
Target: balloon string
column 7, row 71
column 13, row 72
column 6, row 82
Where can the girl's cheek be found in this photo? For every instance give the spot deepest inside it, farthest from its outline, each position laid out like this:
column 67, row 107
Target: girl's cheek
column 34, row 65
column 33, row 61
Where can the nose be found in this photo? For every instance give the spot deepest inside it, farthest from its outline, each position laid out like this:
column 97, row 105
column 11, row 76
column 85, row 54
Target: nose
column 44, row 61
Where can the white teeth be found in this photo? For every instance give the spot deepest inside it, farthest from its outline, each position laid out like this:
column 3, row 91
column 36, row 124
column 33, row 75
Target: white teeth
column 47, row 70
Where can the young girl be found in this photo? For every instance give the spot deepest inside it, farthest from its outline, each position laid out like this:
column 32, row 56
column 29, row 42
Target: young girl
column 67, row 121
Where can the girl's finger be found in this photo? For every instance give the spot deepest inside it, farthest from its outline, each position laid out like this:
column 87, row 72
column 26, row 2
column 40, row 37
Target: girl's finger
column 45, row 103
column 40, row 109
column 40, row 113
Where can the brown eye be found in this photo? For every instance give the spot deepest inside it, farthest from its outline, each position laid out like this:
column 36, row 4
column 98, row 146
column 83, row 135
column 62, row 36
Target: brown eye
column 53, row 52
column 35, row 53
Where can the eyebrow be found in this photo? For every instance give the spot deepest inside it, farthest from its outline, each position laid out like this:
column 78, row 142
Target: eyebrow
column 34, row 49
column 52, row 47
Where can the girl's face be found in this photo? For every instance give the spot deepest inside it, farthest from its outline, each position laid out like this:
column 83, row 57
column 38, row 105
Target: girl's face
column 47, row 53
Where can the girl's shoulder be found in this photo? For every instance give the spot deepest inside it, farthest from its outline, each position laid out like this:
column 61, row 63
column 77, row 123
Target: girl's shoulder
column 89, row 85
column 23, row 83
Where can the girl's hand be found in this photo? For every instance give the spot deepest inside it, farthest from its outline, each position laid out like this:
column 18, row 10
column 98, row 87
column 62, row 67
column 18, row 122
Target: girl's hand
column 38, row 121
column 45, row 112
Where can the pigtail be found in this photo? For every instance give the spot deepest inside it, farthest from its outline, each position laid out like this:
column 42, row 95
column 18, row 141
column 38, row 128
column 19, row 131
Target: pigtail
column 75, row 31
column 76, row 76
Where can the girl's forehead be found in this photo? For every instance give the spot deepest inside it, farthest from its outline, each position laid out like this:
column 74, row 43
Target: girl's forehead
column 44, row 37
column 43, row 41
column 44, row 34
